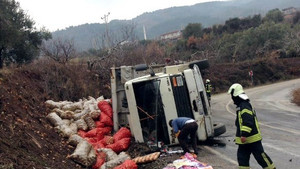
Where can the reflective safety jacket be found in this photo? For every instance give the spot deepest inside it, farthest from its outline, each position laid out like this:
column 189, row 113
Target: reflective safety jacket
column 246, row 124
column 208, row 87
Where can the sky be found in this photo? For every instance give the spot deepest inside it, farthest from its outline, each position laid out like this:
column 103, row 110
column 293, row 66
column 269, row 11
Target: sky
column 59, row 14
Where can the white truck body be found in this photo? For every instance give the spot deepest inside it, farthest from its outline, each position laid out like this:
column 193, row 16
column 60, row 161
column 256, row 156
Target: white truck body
column 145, row 102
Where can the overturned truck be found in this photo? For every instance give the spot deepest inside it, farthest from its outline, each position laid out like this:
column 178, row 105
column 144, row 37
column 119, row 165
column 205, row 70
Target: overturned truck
column 145, row 98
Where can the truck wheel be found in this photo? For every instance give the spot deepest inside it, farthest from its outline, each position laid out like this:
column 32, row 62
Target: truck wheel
column 202, row 64
column 219, row 129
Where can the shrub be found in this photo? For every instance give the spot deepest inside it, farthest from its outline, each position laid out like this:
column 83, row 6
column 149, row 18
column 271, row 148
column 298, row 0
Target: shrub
column 296, row 96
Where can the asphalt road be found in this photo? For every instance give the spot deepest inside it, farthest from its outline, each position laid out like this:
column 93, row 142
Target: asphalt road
column 279, row 123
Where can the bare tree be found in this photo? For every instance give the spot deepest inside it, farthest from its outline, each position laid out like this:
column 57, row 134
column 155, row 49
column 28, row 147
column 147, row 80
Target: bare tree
column 117, row 40
column 59, row 50
column 128, row 32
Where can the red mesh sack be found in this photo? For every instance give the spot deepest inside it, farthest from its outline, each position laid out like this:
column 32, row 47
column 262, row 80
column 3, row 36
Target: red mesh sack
column 120, row 146
column 106, row 120
column 101, row 157
column 124, row 143
column 81, row 133
column 107, row 140
column 94, row 132
column 115, row 147
column 122, row 133
column 106, row 130
column 99, row 124
column 127, row 164
column 91, row 140
column 105, row 107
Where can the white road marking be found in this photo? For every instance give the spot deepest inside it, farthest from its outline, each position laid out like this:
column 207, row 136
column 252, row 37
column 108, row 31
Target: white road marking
column 273, row 127
column 280, row 149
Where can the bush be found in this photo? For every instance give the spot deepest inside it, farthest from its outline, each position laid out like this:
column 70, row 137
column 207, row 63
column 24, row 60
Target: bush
column 264, row 71
column 296, row 96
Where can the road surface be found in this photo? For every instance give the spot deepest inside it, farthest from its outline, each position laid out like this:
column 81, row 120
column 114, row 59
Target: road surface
column 279, row 123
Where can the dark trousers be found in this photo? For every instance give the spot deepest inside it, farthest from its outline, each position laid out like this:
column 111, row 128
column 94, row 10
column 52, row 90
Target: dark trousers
column 188, row 129
column 256, row 148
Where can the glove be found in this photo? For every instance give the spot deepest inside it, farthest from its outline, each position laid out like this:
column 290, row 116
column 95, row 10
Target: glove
column 243, row 139
column 177, row 134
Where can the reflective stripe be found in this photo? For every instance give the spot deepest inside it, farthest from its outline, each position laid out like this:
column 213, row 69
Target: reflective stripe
column 246, row 111
column 246, row 129
column 244, row 167
column 250, row 139
column 270, row 166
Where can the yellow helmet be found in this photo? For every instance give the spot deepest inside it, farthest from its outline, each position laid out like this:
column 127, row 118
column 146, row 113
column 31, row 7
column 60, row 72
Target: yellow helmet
column 236, row 88
column 207, row 80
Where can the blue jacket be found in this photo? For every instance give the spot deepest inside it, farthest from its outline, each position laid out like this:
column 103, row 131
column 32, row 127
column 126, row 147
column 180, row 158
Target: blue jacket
column 178, row 123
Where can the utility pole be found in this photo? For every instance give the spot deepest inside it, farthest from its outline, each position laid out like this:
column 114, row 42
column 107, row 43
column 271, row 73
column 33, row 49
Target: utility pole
column 105, row 19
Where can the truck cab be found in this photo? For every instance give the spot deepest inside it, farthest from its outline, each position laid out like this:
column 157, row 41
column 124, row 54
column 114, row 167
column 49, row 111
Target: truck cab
column 145, row 98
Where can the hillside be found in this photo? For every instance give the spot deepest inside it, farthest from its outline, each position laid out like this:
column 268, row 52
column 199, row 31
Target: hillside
column 88, row 36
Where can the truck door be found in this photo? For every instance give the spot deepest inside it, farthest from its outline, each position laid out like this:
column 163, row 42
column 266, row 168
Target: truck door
column 202, row 94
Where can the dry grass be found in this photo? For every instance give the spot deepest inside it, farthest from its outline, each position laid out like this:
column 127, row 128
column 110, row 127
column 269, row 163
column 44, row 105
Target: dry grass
column 66, row 82
column 296, row 96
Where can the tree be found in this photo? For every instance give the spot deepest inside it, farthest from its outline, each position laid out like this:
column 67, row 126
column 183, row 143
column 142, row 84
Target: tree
column 19, row 40
column 274, row 15
column 193, row 29
column 296, row 18
column 128, row 32
column 232, row 25
column 191, row 42
column 59, row 50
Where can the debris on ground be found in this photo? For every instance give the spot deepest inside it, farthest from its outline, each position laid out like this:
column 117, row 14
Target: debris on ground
column 188, row 161
column 146, row 158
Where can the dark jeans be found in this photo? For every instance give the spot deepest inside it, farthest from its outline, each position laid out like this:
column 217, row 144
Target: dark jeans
column 256, row 148
column 188, row 129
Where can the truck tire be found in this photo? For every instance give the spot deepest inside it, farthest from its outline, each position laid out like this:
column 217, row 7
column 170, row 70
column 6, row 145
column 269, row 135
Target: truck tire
column 202, row 64
column 219, row 129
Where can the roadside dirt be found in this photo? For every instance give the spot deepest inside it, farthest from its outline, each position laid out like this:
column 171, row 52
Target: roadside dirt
column 27, row 140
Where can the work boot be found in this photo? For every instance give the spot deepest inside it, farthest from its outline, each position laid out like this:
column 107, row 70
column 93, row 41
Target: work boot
column 195, row 151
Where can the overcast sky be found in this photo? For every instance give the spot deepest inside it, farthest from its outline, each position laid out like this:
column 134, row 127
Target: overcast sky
column 59, row 14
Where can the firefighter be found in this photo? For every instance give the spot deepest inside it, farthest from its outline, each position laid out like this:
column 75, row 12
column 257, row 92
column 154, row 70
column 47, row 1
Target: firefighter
column 182, row 127
column 248, row 135
column 208, row 88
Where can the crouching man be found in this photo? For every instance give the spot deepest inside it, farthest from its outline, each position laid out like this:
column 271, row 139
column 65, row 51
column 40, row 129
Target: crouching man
column 183, row 127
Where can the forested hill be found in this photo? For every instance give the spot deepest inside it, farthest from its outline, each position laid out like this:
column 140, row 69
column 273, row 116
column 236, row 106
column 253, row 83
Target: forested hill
column 162, row 21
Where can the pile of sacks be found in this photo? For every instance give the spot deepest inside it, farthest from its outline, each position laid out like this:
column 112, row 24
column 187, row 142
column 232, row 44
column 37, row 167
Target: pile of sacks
column 88, row 125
